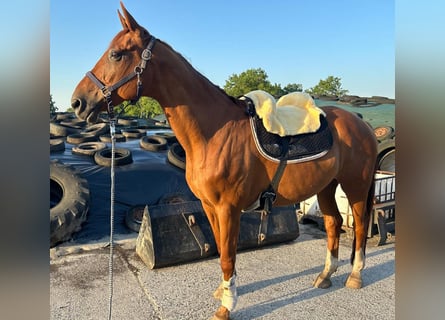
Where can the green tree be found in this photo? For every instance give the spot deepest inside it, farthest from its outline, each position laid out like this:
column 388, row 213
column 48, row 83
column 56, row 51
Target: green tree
column 145, row 107
column 330, row 86
column 52, row 105
column 251, row 79
column 256, row 79
column 293, row 87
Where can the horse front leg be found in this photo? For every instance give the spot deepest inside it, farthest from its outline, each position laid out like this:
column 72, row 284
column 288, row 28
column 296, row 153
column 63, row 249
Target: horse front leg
column 214, row 224
column 229, row 226
column 333, row 222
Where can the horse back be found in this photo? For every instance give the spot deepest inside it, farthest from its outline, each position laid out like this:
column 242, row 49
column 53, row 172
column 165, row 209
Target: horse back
column 354, row 136
column 356, row 146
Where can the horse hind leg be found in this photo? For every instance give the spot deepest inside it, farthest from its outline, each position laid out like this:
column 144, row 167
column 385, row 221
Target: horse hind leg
column 333, row 222
column 361, row 203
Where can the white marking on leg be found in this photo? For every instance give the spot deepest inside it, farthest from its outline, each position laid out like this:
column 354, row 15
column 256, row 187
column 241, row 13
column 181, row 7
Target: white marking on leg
column 359, row 261
column 331, row 264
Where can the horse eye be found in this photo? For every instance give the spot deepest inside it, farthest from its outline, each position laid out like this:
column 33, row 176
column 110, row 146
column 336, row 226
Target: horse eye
column 114, row 55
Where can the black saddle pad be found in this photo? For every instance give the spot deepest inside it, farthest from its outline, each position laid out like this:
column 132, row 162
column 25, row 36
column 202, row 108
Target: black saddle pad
column 302, row 147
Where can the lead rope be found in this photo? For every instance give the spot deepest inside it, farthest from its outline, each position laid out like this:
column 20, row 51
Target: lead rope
column 106, row 91
column 110, row 262
column 111, row 115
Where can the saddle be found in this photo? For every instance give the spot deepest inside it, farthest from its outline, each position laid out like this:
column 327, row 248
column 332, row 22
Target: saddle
column 315, row 141
column 294, row 113
column 312, row 140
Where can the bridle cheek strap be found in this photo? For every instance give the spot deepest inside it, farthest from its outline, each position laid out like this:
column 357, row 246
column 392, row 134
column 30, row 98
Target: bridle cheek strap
column 107, row 90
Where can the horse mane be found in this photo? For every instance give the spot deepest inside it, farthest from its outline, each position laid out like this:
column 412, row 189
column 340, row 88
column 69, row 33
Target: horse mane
column 186, row 62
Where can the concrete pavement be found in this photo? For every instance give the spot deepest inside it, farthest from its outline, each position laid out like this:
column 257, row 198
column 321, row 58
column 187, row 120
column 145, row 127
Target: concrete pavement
column 273, row 282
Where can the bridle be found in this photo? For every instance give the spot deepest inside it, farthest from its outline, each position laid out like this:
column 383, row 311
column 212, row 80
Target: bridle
column 107, row 90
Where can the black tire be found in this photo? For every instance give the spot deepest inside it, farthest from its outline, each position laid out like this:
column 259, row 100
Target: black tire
column 174, row 198
column 384, row 132
column 80, row 138
column 383, row 148
column 359, row 102
column 59, row 130
column 153, row 143
column 133, row 217
column 65, row 116
column 97, row 129
column 388, row 161
column 359, row 115
column 56, row 145
column 69, row 201
column 88, row 148
column 133, row 133
column 117, row 136
column 127, row 122
column 176, row 156
column 147, row 124
column 169, row 136
column 348, row 98
column 75, row 123
column 122, row 157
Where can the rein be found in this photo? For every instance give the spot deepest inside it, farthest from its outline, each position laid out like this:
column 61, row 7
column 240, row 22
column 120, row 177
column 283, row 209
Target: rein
column 107, row 90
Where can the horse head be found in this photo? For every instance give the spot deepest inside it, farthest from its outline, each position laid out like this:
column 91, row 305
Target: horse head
column 117, row 73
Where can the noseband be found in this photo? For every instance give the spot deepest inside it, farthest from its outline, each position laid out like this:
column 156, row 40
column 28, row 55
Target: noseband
column 107, row 90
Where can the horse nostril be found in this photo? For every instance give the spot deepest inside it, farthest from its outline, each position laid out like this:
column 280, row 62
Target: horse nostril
column 77, row 104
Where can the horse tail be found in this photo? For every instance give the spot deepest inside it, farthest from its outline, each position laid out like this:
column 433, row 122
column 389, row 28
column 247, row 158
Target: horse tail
column 369, row 206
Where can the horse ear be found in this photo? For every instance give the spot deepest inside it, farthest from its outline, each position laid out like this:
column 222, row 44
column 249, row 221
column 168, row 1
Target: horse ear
column 122, row 19
column 128, row 22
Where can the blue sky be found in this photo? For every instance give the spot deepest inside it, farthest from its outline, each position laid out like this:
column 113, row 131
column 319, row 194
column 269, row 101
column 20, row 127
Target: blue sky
column 294, row 41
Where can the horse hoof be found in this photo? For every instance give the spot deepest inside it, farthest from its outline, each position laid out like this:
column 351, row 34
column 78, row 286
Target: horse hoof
column 353, row 281
column 218, row 292
column 221, row 314
column 322, row 283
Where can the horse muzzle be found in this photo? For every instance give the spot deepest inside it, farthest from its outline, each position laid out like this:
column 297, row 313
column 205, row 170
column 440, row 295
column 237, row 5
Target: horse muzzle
column 85, row 110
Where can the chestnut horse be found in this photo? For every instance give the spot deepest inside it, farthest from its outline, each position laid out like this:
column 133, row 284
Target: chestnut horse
column 223, row 167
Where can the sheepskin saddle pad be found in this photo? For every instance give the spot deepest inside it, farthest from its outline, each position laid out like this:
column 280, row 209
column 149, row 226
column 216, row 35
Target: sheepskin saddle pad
column 292, row 129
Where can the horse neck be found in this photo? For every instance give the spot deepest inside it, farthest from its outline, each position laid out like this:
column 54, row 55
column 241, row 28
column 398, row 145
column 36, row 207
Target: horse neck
column 194, row 107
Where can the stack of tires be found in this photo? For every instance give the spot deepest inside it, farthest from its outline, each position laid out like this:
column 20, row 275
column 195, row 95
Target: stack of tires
column 69, row 190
